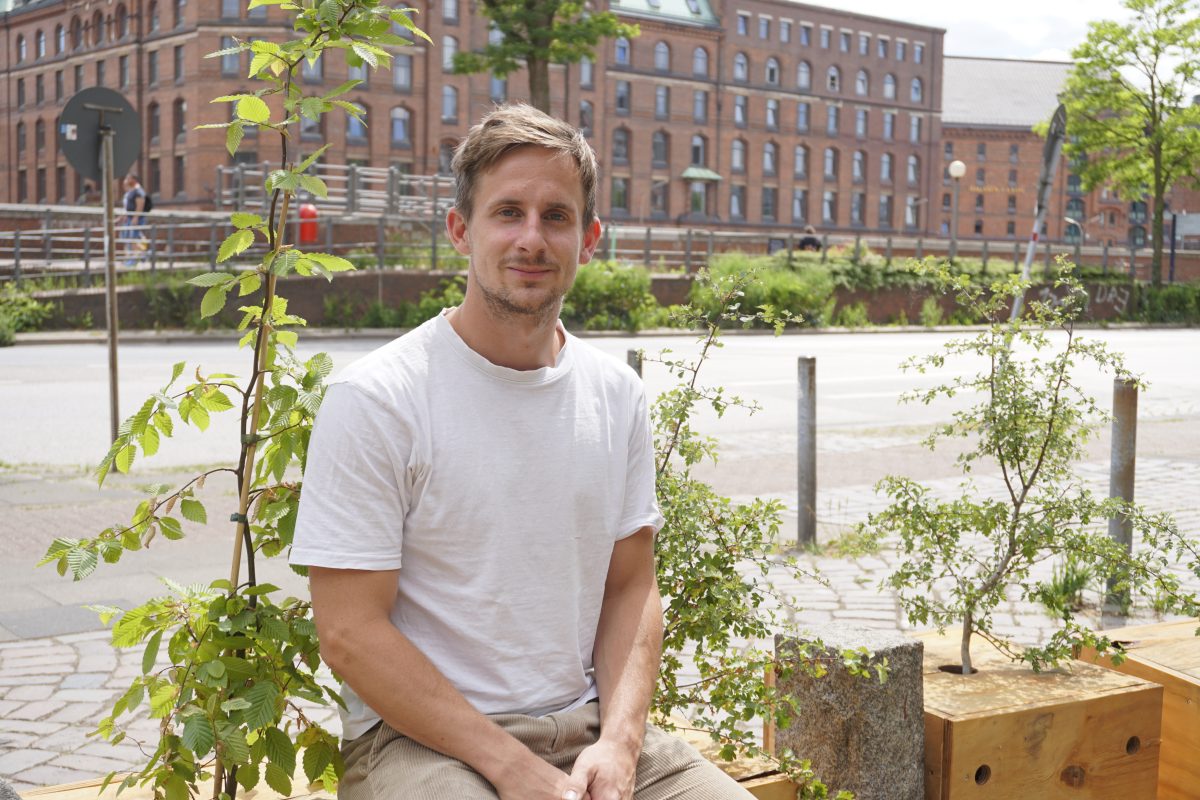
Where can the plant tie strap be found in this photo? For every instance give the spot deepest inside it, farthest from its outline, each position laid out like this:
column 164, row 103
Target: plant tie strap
column 236, row 517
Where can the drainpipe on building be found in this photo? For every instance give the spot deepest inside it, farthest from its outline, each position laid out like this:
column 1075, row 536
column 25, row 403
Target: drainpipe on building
column 9, row 125
column 140, row 100
column 716, row 145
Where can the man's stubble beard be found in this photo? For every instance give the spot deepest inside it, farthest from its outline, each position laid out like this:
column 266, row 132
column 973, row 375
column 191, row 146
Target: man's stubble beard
column 501, row 303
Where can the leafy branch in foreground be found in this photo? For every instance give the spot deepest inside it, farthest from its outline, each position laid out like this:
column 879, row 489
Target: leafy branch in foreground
column 242, row 667
column 716, row 563
column 963, row 557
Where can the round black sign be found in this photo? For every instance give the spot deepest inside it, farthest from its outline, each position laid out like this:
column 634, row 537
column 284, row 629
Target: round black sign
column 79, row 131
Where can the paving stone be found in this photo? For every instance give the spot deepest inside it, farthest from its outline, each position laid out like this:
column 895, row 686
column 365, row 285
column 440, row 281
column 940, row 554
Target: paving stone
column 25, row 680
column 129, row 753
column 38, row 710
column 84, row 695
column 68, row 740
column 16, row 761
column 97, row 662
column 47, row 775
column 7, row 706
column 85, row 680
column 29, row 726
column 37, row 660
column 28, row 693
column 96, row 765
column 90, row 636
column 75, row 712
column 46, row 669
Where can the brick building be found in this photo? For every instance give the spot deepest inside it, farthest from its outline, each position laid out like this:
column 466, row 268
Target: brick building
column 758, row 114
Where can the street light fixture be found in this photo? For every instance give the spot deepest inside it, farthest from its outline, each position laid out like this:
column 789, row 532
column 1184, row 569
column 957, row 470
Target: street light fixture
column 956, row 169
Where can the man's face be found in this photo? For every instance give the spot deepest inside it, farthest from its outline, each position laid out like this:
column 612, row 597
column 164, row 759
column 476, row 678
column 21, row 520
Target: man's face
column 130, row 183
column 525, row 238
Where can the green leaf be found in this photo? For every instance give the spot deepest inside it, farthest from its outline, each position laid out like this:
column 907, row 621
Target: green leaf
column 241, row 219
column 330, row 262
column 124, row 458
column 234, row 741
column 316, row 757
column 253, row 109
column 345, row 87
column 176, row 788
column 212, row 302
column 314, row 185
column 234, row 244
column 280, row 750
column 366, row 53
column 278, row 780
column 259, row 63
column 235, row 704
column 149, row 442
column 177, row 370
column 234, row 133
column 206, row 279
column 198, row 735
column 262, row 705
column 312, row 159
column 150, row 654
column 287, row 338
column 193, row 510
column 171, row 528
column 249, row 284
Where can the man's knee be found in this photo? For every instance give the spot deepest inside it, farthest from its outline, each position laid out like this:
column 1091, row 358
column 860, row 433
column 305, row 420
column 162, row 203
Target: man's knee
column 383, row 764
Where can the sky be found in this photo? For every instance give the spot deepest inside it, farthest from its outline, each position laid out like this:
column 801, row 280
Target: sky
column 1035, row 29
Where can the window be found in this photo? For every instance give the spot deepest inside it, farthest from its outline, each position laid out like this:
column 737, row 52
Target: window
column 770, row 203
column 914, row 170
column 151, row 68
column 359, row 73
column 901, row 50
column 741, row 68
column 978, row 203
column 800, row 165
column 445, row 157
column 1012, row 204
column 830, row 163
column 980, row 177
column 58, row 86
column 658, row 199
column 698, row 197
column 699, row 151
column 914, row 129
column 772, row 71
column 1074, row 184
column 737, row 156
column 122, row 72
column 764, row 28
column 881, row 48
column 832, row 120
column 770, row 158
column 785, row 31
column 662, row 102
column 258, row 13
column 153, row 14
column 39, row 87
column 101, row 70
column 889, row 87
column 180, row 16
column 1014, row 153
column 1010, row 228
column 622, row 97
column 858, row 167
column 40, row 192
column 885, row 211
column 740, row 115
column 356, row 126
column 449, row 49
column 449, row 104
column 312, row 73
column 20, row 139
column 1012, row 178
column 860, row 123
column 946, row 201
column 231, row 9
column 802, row 115
column 39, row 45
column 310, row 129
column 22, row 52
column 620, row 195
column 179, row 119
column 844, row 42
column 948, row 151
column 864, row 44
column 450, row 11
column 1137, row 236
column 889, row 125
column 620, row 146
column 978, row 227
column 658, row 148
column 885, row 168
column 833, row 79
column 79, row 76
column 587, row 73
column 916, row 91
column 858, row 202
column 60, row 39
column 229, row 61
column 743, row 24
column 60, row 184
column 152, row 123
column 806, row 35
column 912, row 212
column 1137, row 211
column 20, row 92
column 662, row 57
column 826, row 35
column 981, row 151
column 772, row 114
column 178, row 61
column 803, row 75
column 621, row 51
column 585, row 117
column 402, row 72
column 700, row 106
column 799, row 205
column 862, row 84
column 97, row 28
column 700, row 62
column 829, row 208
column 497, row 89
column 737, row 202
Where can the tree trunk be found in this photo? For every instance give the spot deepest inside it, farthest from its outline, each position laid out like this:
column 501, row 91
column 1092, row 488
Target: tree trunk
column 1156, row 225
column 965, row 647
column 539, row 83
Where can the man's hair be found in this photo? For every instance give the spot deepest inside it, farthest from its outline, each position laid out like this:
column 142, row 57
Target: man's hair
column 133, row 177
column 517, row 125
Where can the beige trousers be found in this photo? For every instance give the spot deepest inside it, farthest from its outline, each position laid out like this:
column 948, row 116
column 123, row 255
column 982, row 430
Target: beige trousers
column 385, row 765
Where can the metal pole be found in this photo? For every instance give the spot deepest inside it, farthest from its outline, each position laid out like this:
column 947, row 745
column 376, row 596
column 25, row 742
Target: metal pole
column 954, row 221
column 212, row 244
column 329, row 234
column 920, row 248
column 87, row 256
column 46, row 247
column 824, row 247
column 888, row 251
column 153, row 247
column 634, row 359
column 1121, row 474
column 857, row 248
column 379, row 251
column 171, row 244
column 1104, row 258
column 1016, row 253
column 646, row 249
column 708, row 251
column 17, row 256
column 791, row 247
column 806, row 452
column 1171, row 273
column 1047, row 251
column 687, row 252
column 108, row 170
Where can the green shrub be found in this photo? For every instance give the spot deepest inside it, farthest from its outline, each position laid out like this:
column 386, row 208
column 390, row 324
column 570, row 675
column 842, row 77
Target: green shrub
column 170, row 303
column 612, row 296
column 852, row 316
column 22, row 312
column 8, row 330
column 449, row 293
column 931, row 312
column 342, row 311
column 806, row 292
column 380, row 316
column 1176, row 302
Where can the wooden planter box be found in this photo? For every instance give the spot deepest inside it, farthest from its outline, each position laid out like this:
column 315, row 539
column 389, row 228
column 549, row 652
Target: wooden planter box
column 1008, row 733
column 1168, row 653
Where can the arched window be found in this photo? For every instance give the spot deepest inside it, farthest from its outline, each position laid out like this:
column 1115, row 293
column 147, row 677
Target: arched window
column 699, row 150
column 60, row 39
column 20, row 138
column 122, row 22
column 620, row 146
column 76, row 33
column 152, row 123
column 97, row 28
column 659, row 148
column 401, row 127
column 885, row 168
column 833, row 79
column 862, row 84
column 621, row 51
column 800, row 168
column 889, row 87
column 741, row 67
column 21, row 48
column 804, row 75
column 772, row 71
column 39, row 44
column 830, row 162
column 1075, row 209
column 917, row 91
column 449, row 104
column 772, row 114
column 587, row 72
column 770, row 158
column 180, row 12
column 179, row 118
column 662, row 57
column 449, row 48
column 1137, row 236
column 585, row 117
column 1072, row 233
column 858, row 168
column 700, row 62
column 39, row 135
column 356, row 126
column 153, row 15
column 914, row 169
column 737, row 156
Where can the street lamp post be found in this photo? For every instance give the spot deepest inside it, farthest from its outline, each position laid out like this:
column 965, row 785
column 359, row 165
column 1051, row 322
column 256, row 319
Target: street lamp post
column 956, row 169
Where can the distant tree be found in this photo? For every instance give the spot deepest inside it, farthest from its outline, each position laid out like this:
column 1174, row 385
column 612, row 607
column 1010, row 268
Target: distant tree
column 1130, row 121
column 536, row 34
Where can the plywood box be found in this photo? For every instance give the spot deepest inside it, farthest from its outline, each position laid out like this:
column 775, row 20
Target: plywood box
column 1008, row 733
column 1168, row 653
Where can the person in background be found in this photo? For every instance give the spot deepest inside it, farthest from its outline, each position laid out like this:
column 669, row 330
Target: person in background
column 810, row 241
column 133, row 220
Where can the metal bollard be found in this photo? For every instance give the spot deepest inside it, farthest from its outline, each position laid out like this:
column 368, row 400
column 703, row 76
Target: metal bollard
column 646, row 249
column 687, row 252
column 634, row 359
column 1121, row 474
column 920, row 248
column 806, row 452
column 888, row 252
column 153, row 247
column 17, row 256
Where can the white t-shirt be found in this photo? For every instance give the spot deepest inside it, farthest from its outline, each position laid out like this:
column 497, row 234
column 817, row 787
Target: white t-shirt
column 497, row 493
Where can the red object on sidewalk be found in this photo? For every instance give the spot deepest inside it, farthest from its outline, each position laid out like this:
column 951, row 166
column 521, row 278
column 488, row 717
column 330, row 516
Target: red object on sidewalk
column 308, row 224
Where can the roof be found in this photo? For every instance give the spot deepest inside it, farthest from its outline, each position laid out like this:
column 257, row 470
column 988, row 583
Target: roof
column 696, row 12
column 1000, row 92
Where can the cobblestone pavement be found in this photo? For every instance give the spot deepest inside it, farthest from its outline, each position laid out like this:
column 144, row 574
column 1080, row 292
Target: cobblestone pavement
column 53, row 691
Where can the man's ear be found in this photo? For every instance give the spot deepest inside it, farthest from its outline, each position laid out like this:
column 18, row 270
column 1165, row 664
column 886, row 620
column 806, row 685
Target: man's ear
column 456, row 229
column 591, row 240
